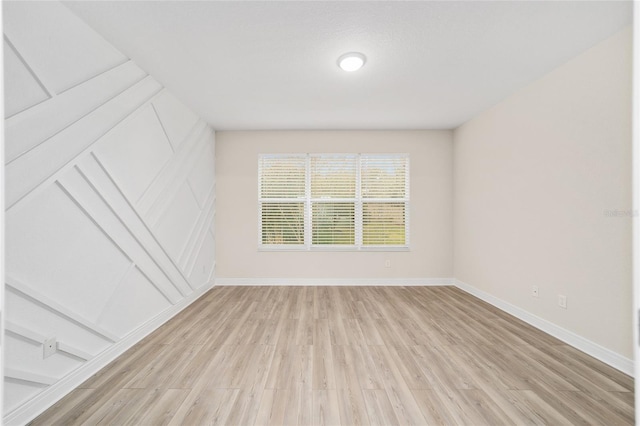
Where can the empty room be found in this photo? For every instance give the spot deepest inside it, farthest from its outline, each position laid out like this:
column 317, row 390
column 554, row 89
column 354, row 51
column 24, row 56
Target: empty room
column 319, row 212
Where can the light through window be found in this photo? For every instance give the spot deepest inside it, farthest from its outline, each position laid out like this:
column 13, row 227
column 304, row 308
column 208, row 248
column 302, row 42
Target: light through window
column 342, row 201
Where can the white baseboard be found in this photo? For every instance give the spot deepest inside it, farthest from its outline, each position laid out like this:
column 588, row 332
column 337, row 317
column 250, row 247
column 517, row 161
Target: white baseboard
column 52, row 394
column 333, row 281
column 603, row 354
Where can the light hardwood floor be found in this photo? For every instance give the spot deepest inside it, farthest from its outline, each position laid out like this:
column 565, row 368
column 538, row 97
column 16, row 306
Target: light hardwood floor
column 348, row 355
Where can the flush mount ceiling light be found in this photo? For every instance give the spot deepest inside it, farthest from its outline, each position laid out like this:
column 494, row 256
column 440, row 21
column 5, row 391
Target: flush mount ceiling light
column 351, row 61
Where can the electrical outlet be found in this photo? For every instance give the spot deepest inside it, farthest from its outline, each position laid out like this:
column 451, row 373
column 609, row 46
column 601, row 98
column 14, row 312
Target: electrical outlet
column 534, row 291
column 50, row 347
column 562, row 301
column 387, row 263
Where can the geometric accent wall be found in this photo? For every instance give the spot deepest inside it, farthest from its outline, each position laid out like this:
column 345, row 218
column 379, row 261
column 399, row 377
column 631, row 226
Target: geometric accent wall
column 109, row 198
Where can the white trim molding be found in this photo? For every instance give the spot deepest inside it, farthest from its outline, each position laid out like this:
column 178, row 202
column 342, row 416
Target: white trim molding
column 334, row 281
column 58, row 389
column 601, row 353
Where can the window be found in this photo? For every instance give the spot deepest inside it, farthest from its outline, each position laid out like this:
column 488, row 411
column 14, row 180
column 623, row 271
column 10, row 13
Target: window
column 333, row 201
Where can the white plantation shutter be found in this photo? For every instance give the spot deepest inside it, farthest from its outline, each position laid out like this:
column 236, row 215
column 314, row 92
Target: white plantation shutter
column 383, row 224
column 282, row 199
column 385, row 199
column 384, row 176
column 334, row 200
column 333, row 223
column 282, row 223
column 282, row 176
column 333, row 177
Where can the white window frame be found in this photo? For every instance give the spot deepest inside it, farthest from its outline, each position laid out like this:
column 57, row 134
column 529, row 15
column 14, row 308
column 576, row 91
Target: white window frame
column 358, row 201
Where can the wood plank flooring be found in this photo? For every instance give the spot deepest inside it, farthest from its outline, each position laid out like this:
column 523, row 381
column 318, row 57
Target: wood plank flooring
column 351, row 356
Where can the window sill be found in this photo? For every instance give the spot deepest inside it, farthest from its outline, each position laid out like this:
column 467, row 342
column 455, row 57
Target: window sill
column 338, row 249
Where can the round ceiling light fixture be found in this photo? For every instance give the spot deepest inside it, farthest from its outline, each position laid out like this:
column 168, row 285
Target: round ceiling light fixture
column 351, row 61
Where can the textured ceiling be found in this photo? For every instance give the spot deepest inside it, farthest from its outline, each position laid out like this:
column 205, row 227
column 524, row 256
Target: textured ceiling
column 272, row 65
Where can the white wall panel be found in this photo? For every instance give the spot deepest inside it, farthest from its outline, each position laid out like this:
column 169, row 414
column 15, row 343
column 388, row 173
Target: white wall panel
column 41, row 320
column 24, row 355
column 59, row 47
column 124, row 312
column 176, row 118
column 16, row 391
column 79, row 189
column 21, row 89
column 176, row 224
column 202, row 176
column 135, row 152
column 161, row 192
column 203, row 265
column 55, row 248
column 109, row 203
column 63, row 110
column 104, row 185
column 35, row 166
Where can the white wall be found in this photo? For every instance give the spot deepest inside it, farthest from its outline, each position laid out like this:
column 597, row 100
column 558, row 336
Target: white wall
column 535, row 177
column 238, row 259
column 109, row 204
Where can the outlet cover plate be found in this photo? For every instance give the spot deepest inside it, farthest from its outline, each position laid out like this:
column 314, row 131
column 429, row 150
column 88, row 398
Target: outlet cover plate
column 50, row 347
column 562, row 301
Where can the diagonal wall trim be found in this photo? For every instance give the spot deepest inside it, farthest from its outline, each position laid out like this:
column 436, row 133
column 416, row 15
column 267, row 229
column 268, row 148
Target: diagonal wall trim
column 160, row 194
column 50, row 93
column 33, row 407
column 71, row 350
column 24, row 332
column 55, row 115
column 184, row 290
column 162, row 126
column 92, row 215
column 95, row 76
column 26, row 376
column 57, row 308
column 605, row 355
column 25, row 175
column 198, row 234
column 176, row 170
column 38, row 338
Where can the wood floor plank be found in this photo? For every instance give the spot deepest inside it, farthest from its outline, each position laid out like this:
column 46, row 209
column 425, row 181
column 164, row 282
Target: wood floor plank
column 118, row 408
column 299, row 409
column 535, row 410
column 325, row 408
column 400, row 395
column 208, row 406
column 245, row 409
column 272, row 407
column 433, row 410
column 350, row 399
column 365, row 366
column 352, row 356
column 158, row 407
column 323, row 370
column 379, row 407
column 58, row 413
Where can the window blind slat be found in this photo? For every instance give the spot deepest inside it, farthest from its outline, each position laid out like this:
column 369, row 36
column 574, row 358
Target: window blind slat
column 383, row 177
column 282, row 177
column 282, row 223
column 333, row 223
column 383, row 223
column 333, row 177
